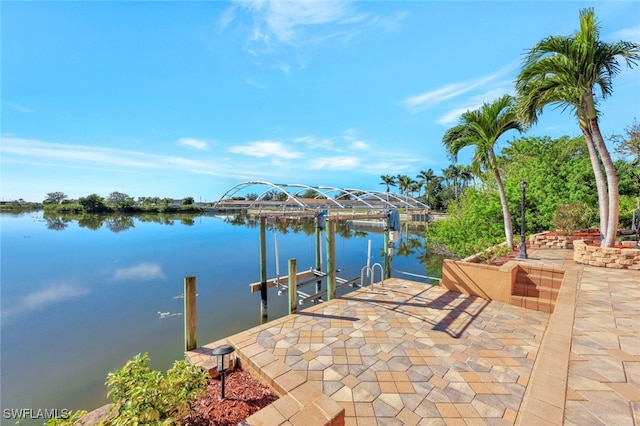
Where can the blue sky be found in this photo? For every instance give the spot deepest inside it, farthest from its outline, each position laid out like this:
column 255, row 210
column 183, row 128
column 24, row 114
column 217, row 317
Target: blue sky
column 177, row 99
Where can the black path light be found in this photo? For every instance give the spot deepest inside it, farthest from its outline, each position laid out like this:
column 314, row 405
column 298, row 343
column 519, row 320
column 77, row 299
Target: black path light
column 223, row 361
column 523, row 225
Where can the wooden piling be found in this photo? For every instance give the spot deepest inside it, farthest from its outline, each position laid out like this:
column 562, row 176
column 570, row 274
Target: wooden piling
column 293, row 287
column 190, row 317
column 318, row 256
column 331, row 259
column 263, row 268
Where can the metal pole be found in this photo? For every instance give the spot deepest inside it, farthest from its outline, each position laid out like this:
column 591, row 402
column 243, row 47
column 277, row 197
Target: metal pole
column 263, row 268
column 523, row 225
column 331, row 259
column 293, row 287
column 318, row 256
column 222, row 374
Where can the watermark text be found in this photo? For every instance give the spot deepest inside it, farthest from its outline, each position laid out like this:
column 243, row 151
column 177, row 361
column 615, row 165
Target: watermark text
column 34, row 413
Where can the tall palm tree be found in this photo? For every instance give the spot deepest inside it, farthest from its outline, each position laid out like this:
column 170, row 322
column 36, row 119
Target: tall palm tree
column 566, row 71
column 404, row 182
column 481, row 129
column 466, row 175
column 453, row 174
column 388, row 180
column 427, row 177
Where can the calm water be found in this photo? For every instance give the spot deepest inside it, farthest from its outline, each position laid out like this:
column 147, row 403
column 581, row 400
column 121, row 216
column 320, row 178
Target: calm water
column 79, row 297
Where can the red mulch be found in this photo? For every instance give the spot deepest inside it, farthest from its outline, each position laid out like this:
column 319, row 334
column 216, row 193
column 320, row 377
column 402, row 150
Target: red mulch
column 593, row 234
column 499, row 261
column 597, row 244
column 244, row 395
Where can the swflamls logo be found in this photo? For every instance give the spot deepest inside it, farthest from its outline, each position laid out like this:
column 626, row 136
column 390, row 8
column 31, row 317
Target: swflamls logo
column 34, row 413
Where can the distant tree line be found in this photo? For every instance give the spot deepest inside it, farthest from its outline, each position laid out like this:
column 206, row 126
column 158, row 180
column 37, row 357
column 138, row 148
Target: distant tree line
column 117, row 202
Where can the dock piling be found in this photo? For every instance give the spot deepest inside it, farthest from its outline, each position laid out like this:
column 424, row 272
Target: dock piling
column 263, row 268
column 190, row 317
column 293, row 287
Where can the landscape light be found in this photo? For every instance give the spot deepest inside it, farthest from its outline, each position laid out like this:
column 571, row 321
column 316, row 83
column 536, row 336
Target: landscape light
column 523, row 225
column 223, row 361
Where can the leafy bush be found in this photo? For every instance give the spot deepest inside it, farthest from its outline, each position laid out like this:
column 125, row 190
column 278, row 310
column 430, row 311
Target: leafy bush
column 473, row 224
column 69, row 419
column 573, row 217
column 492, row 253
column 628, row 204
column 144, row 396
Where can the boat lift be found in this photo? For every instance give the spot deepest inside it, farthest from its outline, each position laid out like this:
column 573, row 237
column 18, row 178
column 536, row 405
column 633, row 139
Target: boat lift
column 316, row 274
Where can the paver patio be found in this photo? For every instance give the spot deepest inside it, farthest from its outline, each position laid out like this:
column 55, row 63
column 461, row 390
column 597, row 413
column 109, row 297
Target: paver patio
column 410, row 353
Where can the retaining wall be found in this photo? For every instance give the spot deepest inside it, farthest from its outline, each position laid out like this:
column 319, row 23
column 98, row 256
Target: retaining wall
column 605, row 257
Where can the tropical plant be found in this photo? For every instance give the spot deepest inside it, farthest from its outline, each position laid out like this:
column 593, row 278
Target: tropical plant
column 388, row 180
column 481, row 129
column 566, row 71
column 147, row 397
column 404, row 182
column 573, row 217
column 144, row 396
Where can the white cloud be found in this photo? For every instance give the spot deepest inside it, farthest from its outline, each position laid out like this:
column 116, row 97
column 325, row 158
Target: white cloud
column 286, row 20
column 313, row 142
column 18, row 107
column 359, row 145
column 264, row 149
column 282, row 28
column 626, row 34
column 194, row 143
column 74, row 153
column 427, row 99
column 42, row 298
column 473, row 104
column 335, row 163
column 453, row 115
column 143, row 271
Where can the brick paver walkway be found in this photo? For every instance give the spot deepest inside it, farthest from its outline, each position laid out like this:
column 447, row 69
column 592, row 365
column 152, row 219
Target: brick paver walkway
column 409, row 353
column 604, row 368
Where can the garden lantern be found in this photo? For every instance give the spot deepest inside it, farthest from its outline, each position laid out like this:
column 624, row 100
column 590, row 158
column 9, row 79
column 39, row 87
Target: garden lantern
column 523, row 225
column 223, row 362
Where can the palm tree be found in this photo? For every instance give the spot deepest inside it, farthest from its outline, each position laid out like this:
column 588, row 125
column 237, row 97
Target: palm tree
column 466, row 176
column 481, row 129
column 565, row 71
column 453, row 174
column 426, row 178
column 388, row 180
column 404, row 182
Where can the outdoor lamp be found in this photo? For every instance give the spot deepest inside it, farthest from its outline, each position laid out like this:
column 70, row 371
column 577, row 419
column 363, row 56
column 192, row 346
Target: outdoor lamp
column 223, row 361
column 523, row 225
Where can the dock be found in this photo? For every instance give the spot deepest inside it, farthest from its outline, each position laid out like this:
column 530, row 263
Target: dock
column 408, row 353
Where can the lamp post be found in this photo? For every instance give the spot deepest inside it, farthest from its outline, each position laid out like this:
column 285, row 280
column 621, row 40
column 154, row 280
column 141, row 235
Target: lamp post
column 223, row 356
column 523, row 225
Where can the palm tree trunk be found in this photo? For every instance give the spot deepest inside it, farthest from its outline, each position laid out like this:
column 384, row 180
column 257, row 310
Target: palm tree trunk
column 600, row 181
column 506, row 214
column 612, row 186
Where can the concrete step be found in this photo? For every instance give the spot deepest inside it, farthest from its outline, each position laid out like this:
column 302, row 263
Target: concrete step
column 531, row 290
column 539, row 280
column 534, row 303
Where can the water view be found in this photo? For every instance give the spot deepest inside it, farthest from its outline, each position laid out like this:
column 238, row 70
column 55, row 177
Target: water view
column 82, row 295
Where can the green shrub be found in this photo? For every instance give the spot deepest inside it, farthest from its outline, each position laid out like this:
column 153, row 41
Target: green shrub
column 573, row 217
column 68, row 419
column 144, row 396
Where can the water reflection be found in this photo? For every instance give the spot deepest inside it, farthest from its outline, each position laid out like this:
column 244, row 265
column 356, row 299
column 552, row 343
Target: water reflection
column 114, row 293
column 114, row 222
column 294, row 225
